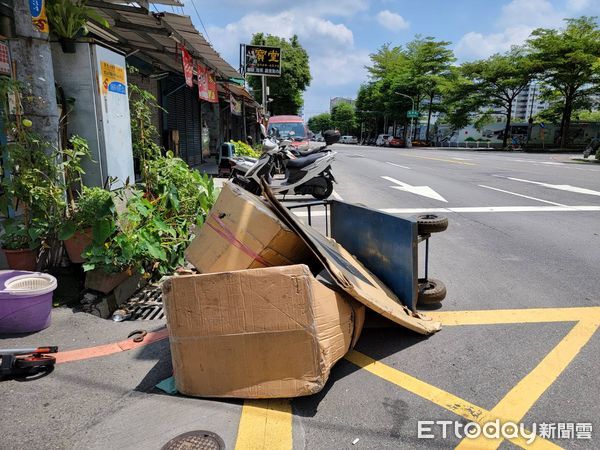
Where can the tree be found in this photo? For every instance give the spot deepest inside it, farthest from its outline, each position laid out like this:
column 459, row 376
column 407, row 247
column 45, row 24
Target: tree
column 499, row 79
column 286, row 91
column 320, row 123
column 344, row 118
column 429, row 62
column 569, row 63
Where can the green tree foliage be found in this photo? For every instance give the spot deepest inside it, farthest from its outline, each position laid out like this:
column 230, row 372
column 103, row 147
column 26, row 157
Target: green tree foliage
column 320, row 123
column 343, row 118
column 498, row 80
column 286, row 91
column 418, row 70
column 569, row 63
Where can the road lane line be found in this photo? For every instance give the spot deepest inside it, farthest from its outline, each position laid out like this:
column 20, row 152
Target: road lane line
column 561, row 187
column 520, row 195
column 493, row 209
column 444, row 399
column 265, row 425
column 438, row 159
column 508, row 316
column 521, row 398
column 397, row 165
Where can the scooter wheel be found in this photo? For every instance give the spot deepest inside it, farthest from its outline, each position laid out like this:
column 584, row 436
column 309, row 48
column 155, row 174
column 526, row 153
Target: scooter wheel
column 328, row 191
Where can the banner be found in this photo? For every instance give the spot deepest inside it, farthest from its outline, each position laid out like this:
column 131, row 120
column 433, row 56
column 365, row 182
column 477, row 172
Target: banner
column 236, row 106
column 188, row 67
column 213, row 94
column 202, row 82
column 37, row 8
column 260, row 60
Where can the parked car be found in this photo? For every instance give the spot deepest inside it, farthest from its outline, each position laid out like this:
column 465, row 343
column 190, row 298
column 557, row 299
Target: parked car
column 290, row 127
column 396, row 142
column 382, row 140
column 348, row 140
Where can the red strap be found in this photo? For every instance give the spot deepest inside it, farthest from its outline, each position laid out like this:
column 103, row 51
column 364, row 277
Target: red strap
column 226, row 234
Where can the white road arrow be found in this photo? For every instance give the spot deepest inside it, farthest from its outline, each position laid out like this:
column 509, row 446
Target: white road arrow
column 425, row 191
column 562, row 187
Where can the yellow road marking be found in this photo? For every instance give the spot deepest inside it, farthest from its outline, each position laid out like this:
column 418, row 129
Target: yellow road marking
column 436, row 395
column 439, row 159
column 506, row 316
column 521, row 398
column 265, row 424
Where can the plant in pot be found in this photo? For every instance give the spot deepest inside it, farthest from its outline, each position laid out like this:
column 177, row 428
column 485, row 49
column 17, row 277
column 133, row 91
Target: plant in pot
column 20, row 244
column 92, row 205
column 68, row 20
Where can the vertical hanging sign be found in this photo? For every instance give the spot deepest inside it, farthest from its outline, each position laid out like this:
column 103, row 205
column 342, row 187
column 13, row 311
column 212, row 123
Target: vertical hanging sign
column 37, row 8
column 188, row 67
column 213, row 95
column 202, row 82
column 235, row 106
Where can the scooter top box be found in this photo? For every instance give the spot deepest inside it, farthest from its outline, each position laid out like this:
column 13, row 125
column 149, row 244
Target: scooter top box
column 241, row 232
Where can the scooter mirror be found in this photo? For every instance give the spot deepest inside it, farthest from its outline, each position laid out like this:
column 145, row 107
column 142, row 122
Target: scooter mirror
column 331, row 136
column 263, row 131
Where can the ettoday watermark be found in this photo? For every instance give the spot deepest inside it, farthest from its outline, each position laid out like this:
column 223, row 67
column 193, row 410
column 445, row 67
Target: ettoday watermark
column 432, row 429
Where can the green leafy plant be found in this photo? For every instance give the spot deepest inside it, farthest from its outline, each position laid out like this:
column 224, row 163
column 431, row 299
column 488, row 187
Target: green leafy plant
column 68, row 18
column 93, row 205
column 243, row 149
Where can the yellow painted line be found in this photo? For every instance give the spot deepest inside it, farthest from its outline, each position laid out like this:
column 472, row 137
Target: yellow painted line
column 436, row 395
column 439, row 159
column 521, row 398
column 265, row 424
column 506, row 316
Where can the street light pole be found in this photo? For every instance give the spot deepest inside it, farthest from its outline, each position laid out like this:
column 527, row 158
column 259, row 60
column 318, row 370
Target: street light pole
column 409, row 138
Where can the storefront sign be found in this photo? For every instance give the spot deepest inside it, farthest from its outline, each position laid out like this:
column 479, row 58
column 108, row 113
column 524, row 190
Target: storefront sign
column 113, row 78
column 188, row 67
column 261, row 60
column 37, row 8
column 213, row 94
column 202, row 81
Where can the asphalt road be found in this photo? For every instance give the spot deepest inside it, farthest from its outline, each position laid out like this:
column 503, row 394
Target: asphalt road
column 524, row 234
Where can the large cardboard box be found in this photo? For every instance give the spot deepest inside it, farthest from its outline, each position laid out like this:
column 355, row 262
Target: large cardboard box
column 259, row 333
column 241, row 232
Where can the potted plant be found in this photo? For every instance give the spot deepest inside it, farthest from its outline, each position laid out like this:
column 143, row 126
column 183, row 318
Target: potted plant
column 68, row 20
column 92, row 205
column 20, row 245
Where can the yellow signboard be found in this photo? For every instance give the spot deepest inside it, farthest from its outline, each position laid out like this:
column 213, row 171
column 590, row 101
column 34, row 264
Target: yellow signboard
column 113, row 78
column 38, row 15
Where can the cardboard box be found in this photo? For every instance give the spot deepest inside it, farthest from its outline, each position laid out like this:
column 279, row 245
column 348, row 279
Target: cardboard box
column 241, row 232
column 260, row 333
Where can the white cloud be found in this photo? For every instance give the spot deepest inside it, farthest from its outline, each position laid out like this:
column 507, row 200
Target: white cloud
column 516, row 22
column 392, row 21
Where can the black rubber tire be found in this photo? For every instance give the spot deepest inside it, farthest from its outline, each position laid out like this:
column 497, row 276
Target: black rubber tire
column 327, row 193
column 431, row 223
column 431, row 291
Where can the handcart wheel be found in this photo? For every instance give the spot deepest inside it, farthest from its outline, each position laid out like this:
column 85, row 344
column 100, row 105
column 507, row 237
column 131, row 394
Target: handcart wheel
column 40, row 361
column 431, row 291
column 431, row 223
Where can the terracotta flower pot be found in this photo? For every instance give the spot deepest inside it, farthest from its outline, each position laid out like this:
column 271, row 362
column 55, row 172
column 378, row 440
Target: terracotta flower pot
column 102, row 281
column 77, row 243
column 22, row 259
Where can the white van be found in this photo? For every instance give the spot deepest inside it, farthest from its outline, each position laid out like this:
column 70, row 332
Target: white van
column 382, row 140
column 348, row 140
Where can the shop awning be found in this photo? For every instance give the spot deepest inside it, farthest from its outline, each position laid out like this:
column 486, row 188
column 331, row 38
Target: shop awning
column 157, row 36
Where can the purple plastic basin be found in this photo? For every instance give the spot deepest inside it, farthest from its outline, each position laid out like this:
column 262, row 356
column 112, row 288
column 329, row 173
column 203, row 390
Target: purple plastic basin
column 22, row 313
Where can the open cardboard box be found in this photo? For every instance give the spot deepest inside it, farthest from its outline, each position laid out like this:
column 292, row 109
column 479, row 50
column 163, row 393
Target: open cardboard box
column 258, row 333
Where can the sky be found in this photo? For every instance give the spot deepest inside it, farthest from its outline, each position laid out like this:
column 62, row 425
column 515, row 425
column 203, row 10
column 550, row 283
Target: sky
column 340, row 35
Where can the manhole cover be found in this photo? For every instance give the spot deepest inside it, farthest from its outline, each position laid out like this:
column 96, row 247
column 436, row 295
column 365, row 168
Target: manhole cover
column 195, row 440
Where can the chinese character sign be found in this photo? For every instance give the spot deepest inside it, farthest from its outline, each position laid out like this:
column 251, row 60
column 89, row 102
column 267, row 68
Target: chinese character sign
column 261, row 60
column 188, row 67
column 37, row 8
column 202, row 82
column 213, row 95
column 236, row 107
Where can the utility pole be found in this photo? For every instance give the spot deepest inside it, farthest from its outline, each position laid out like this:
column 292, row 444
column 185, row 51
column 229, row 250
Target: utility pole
column 264, row 94
column 32, row 64
column 409, row 137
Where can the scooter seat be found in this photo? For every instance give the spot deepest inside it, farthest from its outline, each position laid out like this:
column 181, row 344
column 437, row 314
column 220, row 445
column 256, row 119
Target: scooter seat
column 304, row 161
column 300, row 153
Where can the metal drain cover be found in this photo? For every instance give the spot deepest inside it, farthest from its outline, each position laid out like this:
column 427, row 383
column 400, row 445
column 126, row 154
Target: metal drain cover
column 196, row 440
